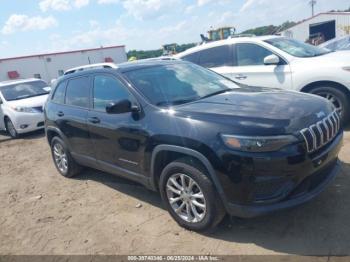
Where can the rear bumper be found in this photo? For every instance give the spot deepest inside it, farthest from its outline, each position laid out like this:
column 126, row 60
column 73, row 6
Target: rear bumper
column 291, row 201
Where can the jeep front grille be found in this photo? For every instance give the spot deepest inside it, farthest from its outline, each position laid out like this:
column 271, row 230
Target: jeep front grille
column 319, row 134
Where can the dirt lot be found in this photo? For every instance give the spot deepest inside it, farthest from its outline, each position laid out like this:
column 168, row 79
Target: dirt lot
column 96, row 213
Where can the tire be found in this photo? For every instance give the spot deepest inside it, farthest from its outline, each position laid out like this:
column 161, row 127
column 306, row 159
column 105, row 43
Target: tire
column 64, row 162
column 339, row 99
column 189, row 169
column 10, row 128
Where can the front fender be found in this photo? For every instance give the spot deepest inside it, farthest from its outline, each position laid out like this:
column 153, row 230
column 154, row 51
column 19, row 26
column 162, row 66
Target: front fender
column 192, row 153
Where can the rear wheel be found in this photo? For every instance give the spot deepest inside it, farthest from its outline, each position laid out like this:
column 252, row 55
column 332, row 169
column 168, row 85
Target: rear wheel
column 63, row 160
column 338, row 98
column 189, row 195
column 10, row 128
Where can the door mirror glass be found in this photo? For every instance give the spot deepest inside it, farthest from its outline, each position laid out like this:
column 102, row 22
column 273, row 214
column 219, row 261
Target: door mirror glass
column 271, row 60
column 122, row 106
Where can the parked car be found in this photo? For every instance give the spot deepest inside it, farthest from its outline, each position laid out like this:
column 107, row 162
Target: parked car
column 337, row 44
column 274, row 61
column 206, row 144
column 21, row 105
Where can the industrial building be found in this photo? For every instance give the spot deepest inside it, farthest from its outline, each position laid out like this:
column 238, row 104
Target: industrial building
column 321, row 27
column 52, row 65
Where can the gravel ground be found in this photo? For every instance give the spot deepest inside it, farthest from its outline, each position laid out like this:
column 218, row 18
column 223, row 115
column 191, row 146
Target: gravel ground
column 97, row 213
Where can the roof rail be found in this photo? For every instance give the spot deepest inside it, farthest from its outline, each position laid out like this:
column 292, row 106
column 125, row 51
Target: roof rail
column 88, row 67
column 241, row 35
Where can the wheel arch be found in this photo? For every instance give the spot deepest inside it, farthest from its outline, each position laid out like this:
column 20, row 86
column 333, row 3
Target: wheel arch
column 51, row 132
column 164, row 154
column 307, row 88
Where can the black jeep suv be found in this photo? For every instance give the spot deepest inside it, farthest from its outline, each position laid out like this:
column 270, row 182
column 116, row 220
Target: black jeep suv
column 206, row 144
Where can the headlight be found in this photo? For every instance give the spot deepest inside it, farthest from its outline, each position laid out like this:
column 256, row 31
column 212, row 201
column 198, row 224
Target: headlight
column 258, row 143
column 24, row 109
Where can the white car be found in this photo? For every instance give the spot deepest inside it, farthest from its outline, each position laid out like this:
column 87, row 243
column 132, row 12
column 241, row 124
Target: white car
column 21, row 105
column 274, row 61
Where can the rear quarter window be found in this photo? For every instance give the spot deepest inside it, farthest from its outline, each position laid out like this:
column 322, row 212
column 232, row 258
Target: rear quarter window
column 58, row 96
column 193, row 58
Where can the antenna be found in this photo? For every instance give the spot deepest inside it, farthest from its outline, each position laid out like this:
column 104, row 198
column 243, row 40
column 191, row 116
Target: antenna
column 313, row 3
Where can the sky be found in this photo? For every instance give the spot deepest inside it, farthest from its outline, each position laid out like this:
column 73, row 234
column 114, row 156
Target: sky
column 42, row 26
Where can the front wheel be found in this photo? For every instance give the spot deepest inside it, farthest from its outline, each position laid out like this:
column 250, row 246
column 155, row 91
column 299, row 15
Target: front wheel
column 10, row 128
column 189, row 195
column 338, row 98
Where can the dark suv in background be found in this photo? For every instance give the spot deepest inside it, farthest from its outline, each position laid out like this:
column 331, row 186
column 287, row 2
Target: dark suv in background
column 206, row 144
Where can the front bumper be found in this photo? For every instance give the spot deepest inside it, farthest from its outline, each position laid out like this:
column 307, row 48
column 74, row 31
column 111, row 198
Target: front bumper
column 291, row 201
column 280, row 181
column 28, row 122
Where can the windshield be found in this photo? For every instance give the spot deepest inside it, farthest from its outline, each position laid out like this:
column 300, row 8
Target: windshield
column 24, row 90
column 180, row 83
column 297, row 48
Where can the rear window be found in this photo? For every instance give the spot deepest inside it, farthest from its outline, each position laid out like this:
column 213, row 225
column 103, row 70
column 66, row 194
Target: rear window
column 77, row 93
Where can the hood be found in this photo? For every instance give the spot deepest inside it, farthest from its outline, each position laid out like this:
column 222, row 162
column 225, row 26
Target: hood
column 263, row 110
column 36, row 101
column 332, row 58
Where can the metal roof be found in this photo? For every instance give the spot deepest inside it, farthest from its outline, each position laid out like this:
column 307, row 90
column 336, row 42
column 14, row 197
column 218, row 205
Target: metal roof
column 62, row 53
column 312, row 17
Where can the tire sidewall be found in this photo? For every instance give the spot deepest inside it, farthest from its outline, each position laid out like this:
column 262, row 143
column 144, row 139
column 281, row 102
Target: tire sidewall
column 54, row 141
column 7, row 120
column 206, row 187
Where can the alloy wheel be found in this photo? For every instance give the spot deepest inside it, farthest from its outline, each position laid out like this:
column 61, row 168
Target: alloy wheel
column 60, row 157
column 186, row 198
column 334, row 100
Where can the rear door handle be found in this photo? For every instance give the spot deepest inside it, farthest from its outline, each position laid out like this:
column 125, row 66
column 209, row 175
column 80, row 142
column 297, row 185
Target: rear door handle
column 240, row 77
column 60, row 113
column 94, row 120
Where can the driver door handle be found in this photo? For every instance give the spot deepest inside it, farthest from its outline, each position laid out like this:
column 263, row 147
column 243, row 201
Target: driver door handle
column 94, row 120
column 240, row 77
column 60, row 114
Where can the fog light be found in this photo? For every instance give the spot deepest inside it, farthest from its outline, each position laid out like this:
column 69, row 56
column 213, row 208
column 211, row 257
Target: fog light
column 23, row 126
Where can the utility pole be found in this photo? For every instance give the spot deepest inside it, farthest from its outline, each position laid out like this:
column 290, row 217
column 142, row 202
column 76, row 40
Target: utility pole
column 313, row 3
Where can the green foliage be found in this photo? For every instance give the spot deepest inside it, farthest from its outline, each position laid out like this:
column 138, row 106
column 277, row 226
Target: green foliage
column 270, row 29
column 141, row 54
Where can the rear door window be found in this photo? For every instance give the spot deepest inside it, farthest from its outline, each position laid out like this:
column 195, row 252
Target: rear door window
column 216, row 57
column 77, row 93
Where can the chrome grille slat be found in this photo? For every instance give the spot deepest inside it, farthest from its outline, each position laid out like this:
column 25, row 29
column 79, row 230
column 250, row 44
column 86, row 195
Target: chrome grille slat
column 327, row 128
column 320, row 130
column 315, row 137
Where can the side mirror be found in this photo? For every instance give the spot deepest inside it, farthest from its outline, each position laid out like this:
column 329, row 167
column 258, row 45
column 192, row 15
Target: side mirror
column 271, row 60
column 122, row 106
column 0, row 101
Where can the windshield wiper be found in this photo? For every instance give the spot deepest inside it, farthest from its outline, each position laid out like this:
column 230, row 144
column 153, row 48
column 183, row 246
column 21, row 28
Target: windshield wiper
column 217, row 93
column 29, row 96
column 176, row 102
